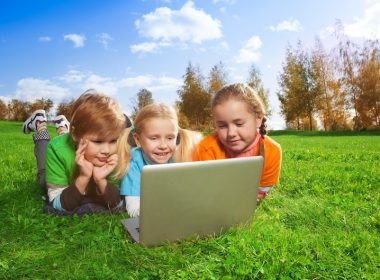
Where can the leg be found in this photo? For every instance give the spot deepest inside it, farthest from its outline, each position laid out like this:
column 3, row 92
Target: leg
column 41, row 140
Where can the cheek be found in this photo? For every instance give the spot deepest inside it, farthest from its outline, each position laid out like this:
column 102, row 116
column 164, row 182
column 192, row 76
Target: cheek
column 113, row 148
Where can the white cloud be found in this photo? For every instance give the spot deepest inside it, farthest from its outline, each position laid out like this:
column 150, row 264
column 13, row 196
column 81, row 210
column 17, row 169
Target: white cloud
column 102, row 84
column 73, row 77
column 291, row 24
column 223, row 10
column 44, row 39
column 31, row 89
column 250, row 51
column 166, row 26
column 230, row 2
column 77, row 39
column 104, row 39
column 140, row 81
column 329, row 30
column 147, row 47
column 367, row 26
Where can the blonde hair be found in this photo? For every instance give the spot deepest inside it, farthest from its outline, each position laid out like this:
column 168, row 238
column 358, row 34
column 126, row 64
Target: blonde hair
column 188, row 138
column 96, row 114
column 246, row 94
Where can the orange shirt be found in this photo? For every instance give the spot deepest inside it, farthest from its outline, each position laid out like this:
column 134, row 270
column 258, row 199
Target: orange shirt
column 210, row 148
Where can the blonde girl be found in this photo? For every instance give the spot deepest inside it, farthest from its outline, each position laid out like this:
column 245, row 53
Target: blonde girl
column 159, row 140
column 240, row 131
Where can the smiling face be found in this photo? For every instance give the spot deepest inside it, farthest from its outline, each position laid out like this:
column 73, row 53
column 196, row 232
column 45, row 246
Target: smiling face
column 236, row 126
column 158, row 139
column 99, row 149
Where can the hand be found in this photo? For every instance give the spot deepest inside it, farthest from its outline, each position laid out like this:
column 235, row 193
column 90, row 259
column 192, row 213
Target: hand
column 133, row 206
column 85, row 167
column 101, row 172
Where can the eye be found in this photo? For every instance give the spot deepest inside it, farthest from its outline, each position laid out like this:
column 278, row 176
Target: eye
column 97, row 141
column 239, row 124
column 221, row 126
column 113, row 141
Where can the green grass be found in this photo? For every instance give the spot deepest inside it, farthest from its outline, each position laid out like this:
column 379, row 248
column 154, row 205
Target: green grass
column 321, row 222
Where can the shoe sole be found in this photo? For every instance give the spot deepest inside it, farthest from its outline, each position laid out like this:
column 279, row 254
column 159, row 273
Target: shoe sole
column 26, row 126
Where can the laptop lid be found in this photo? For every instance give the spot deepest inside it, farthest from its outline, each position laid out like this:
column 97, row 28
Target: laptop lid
column 182, row 200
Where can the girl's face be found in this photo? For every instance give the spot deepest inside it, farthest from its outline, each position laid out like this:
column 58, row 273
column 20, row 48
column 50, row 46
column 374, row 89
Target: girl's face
column 158, row 139
column 236, row 126
column 99, row 149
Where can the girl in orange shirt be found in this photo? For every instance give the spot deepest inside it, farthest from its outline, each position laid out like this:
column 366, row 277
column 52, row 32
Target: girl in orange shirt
column 239, row 118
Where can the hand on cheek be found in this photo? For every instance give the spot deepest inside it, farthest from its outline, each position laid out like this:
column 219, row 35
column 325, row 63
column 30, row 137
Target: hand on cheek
column 101, row 172
column 85, row 167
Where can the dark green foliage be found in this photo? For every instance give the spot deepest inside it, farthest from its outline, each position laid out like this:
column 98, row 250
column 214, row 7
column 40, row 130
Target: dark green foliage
column 321, row 222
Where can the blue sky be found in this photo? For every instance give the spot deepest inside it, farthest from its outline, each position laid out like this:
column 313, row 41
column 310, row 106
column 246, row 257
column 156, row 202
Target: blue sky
column 58, row 49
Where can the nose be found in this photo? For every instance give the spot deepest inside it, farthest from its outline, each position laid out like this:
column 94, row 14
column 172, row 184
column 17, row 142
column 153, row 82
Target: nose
column 105, row 148
column 231, row 132
column 162, row 144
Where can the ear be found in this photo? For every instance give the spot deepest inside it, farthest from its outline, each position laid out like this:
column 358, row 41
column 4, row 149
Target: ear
column 259, row 120
column 136, row 138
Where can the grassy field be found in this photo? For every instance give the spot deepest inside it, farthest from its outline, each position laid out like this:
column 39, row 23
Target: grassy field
column 321, row 222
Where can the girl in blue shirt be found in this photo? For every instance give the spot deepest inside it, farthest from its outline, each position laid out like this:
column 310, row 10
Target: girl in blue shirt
column 155, row 138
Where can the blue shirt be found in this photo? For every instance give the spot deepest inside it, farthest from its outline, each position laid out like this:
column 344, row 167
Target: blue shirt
column 131, row 182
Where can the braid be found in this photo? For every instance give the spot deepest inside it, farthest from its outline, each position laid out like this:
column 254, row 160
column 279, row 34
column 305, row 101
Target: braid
column 263, row 128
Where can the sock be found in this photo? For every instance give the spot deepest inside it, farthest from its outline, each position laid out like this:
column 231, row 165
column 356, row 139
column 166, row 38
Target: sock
column 41, row 126
column 62, row 129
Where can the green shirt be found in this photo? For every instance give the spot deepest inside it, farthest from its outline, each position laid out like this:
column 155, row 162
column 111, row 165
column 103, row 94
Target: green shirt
column 60, row 160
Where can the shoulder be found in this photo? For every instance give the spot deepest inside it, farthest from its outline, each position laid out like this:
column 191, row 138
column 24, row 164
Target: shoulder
column 271, row 143
column 63, row 141
column 137, row 157
column 209, row 149
column 209, row 141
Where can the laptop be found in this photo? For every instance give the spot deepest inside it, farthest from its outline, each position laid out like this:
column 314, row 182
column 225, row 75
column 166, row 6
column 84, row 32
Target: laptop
column 195, row 199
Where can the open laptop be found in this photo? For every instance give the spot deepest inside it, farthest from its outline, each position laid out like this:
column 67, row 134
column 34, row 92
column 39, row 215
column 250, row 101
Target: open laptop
column 183, row 200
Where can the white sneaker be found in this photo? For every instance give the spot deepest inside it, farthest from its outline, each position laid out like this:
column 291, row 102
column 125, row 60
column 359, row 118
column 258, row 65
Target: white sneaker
column 31, row 123
column 61, row 124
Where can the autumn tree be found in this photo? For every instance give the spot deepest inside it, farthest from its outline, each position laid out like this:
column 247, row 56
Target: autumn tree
column 3, row 110
column 217, row 79
column 368, row 82
column 143, row 98
column 43, row 103
column 64, row 108
column 194, row 99
column 254, row 81
column 18, row 110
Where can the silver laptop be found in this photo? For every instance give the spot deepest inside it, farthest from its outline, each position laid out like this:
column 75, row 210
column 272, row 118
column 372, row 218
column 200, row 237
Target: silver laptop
column 195, row 199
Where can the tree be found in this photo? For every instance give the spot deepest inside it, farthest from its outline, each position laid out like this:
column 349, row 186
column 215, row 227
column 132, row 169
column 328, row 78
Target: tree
column 18, row 110
column 45, row 104
column 254, row 81
column 3, row 110
column 143, row 98
column 217, row 79
column 368, row 81
column 65, row 108
column 194, row 99
column 299, row 98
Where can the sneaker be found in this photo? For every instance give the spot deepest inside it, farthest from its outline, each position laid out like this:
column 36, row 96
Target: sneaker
column 31, row 123
column 61, row 124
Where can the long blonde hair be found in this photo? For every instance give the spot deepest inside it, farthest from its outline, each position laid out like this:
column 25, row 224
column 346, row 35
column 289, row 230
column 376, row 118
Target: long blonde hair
column 187, row 142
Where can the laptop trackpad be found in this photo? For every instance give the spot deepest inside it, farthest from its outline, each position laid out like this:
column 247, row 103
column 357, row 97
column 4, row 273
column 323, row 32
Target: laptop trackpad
column 132, row 225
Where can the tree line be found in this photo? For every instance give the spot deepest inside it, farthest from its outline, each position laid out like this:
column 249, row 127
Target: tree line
column 340, row 89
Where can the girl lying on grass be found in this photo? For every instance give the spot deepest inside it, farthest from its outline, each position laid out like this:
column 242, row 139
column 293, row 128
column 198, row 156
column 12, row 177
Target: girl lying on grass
column 79, row 161
column 239, row 117
column 159, row 140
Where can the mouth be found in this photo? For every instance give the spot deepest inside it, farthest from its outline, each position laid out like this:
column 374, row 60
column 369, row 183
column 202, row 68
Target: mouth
column 103, row 159
column 233, row 142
